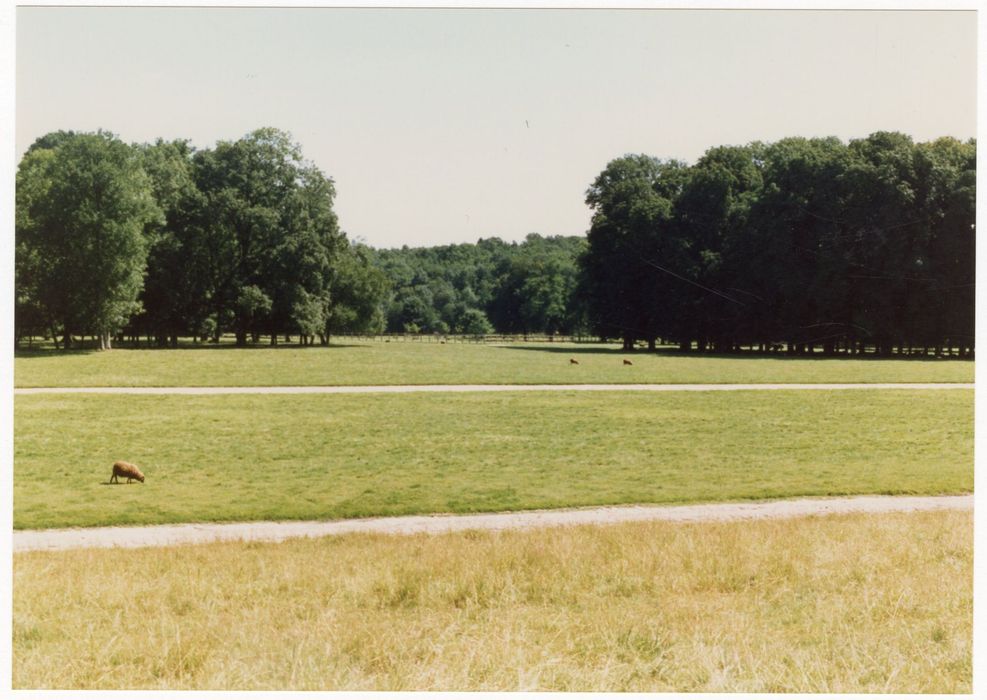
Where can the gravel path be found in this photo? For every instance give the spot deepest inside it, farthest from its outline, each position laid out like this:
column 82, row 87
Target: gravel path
column 163, row 535
column 407, row 389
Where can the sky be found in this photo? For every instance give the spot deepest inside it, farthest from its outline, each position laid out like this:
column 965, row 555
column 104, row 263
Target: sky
column 445, row 126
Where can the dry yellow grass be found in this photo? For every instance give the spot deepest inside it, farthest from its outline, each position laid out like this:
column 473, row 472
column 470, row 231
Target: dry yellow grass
column 835, row 604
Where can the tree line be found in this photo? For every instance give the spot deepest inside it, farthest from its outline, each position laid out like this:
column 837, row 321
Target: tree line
column 810, row 243
column 813, row 243
column 161, row 240
column 516, row 288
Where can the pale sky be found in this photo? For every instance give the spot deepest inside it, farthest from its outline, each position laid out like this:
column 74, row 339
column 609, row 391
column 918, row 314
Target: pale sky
column 443, row 126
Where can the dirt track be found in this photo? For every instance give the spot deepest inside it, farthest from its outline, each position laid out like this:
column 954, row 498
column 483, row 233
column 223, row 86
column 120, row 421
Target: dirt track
column 163, row 535
column 407, row 389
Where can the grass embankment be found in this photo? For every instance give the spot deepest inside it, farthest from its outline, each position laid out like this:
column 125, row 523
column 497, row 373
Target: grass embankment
column 250, row 457
column 432, row 363
column 836, row 604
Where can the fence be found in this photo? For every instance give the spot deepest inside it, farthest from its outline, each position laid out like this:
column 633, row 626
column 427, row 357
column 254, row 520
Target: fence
column 454, row 338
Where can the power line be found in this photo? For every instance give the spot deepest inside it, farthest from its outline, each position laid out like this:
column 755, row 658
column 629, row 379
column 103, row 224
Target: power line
column 685, row 279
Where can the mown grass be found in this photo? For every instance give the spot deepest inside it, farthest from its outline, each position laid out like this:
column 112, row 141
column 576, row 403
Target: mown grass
column 834, row 604
column 454, row 363
column 256, row 457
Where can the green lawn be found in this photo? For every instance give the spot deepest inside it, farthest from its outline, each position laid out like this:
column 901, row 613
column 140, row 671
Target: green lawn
column 248, row 457
column 454, row 363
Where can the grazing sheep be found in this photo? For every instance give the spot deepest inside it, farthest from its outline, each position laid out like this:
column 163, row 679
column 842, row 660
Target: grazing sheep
column 128, row 470
column 573, row 361
column 628, row 362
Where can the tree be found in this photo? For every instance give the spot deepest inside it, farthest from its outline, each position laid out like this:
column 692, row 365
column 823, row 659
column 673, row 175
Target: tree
column 634, row 251
column 711, row 216
column 948, row 170
column 474, row 322
column 357, row 292
column 808, row 241
column 83, row 206
column 176, row 289
column 796, row 256
column 537, row 286
column 267, row 222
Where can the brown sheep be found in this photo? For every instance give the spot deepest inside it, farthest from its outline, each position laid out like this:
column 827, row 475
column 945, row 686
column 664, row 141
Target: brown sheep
column 628, row 362
column 573, row 361
column 128, row 470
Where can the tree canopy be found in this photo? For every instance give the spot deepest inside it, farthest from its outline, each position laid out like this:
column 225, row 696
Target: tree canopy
column 84, row 207
column 806, row 242
column 165, row 241
column 526, row 287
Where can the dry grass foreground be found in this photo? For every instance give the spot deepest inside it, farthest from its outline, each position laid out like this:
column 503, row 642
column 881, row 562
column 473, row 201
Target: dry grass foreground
column 837, row 604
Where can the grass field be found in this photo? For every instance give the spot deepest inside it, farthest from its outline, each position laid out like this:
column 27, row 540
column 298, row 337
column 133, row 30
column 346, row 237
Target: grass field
column 432, row 363
column 250, row 457
column 835, row 604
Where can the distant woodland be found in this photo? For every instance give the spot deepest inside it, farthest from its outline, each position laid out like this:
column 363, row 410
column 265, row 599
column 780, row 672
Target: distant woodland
column 811, row 245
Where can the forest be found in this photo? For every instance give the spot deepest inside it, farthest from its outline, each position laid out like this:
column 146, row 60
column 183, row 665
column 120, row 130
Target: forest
column 806, row 244
column 811, row 243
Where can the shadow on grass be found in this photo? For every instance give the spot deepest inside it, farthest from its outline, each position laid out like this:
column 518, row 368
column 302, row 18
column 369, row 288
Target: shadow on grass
column 30, row 353
column 52, row 352
column 743, row 355
column 570, row 350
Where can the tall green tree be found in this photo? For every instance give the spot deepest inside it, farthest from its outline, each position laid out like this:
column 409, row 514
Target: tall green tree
column 712, row 217
column 948, row 170
column 536, row 290
column 268, row 224
column 176, row 291
column 357, row 292
column 798, row 254
column 83, row 207
column 634, row 256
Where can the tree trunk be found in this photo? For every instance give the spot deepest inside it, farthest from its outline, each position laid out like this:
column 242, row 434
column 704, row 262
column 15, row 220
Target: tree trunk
column 241, row 339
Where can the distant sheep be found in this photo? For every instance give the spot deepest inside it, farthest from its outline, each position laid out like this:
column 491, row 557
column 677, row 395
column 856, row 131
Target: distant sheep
column 128, row 470
column 573, row 361
column 628, row 362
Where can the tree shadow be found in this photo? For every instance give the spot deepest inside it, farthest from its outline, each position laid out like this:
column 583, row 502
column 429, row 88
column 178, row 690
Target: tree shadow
column 32, row 353
column 747, row 355
column 569, row 350
column 52, row 352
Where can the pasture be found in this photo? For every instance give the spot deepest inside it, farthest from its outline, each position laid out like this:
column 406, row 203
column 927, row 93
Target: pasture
column 837, row 604
column 257, row 457
column 362, row 362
